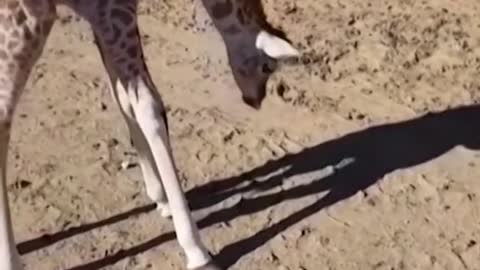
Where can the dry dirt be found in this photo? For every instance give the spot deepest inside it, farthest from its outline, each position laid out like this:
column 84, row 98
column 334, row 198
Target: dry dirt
column 362, row 178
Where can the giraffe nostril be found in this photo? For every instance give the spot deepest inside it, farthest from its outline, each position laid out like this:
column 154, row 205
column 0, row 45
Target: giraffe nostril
column 266, row 69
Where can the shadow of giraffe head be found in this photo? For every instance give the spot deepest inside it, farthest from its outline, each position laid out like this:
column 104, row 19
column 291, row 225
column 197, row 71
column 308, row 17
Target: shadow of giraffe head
column 253, row 46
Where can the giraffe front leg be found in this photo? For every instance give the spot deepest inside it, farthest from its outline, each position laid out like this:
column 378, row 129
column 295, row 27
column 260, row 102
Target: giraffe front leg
column 151, row 118
column 115, row 27
column 151, row 176
column 152, row 179
column 148, row 124
column 9, row 257
column 21, row 45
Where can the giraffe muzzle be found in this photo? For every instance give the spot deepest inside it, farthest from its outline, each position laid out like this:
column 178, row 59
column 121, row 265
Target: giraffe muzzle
column 255, row 103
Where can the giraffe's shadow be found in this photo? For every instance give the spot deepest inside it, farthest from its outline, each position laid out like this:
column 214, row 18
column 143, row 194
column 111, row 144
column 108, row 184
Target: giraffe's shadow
column 376, row 151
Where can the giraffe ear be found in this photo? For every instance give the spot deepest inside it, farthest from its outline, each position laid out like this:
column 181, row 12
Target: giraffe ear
column 274, row 46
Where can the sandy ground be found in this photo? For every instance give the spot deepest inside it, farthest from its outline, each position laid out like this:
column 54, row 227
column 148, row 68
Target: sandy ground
column 362, row 179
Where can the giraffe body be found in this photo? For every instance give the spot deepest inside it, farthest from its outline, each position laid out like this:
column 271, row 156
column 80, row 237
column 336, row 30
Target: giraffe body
column 24, row 28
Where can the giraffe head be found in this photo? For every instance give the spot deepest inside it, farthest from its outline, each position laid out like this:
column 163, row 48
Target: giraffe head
column 252, row 49
column 253, row 61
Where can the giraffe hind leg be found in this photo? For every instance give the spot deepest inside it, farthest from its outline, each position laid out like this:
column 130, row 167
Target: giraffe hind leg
column 23, row 33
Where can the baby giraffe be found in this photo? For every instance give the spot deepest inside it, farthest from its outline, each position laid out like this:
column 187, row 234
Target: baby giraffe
column 24, row 29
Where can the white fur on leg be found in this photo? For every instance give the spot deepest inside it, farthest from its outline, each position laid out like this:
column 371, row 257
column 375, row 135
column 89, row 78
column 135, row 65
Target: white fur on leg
column 154, row 188
column 274, row 46
column 151, row 177
column 15, row 262
column 156, row 134
column 9, row 257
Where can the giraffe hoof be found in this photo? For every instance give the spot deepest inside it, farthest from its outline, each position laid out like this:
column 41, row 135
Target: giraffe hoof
column 210, row 266
column 164, row 210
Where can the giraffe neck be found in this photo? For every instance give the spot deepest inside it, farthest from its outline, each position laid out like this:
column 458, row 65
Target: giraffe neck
column 236, row 18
